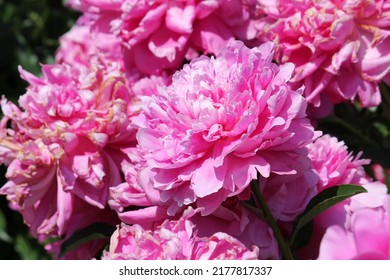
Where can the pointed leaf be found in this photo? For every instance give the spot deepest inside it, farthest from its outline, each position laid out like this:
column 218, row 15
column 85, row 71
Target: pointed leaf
column 24, row 248
column 3, row 229
column 89, row 233
column 323, row 201
column 302, row 236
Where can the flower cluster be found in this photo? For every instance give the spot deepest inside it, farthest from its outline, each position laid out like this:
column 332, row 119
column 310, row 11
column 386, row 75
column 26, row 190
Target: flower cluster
column 188, row 127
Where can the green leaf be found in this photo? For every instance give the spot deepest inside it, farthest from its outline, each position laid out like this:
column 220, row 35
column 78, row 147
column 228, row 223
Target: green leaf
column 302, row 236
column 89, row 233
column 3, row 229
column 24, row 248
column 318, row 204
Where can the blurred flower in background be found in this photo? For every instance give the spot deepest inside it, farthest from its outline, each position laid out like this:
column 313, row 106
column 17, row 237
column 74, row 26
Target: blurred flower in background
column 29, row 32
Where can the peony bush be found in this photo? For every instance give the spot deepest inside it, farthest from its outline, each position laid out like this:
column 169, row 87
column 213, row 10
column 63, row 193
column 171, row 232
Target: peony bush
column 195, row 129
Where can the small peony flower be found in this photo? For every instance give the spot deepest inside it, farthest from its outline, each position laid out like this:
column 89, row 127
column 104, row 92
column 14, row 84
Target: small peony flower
column 133, row 204
column 339, row 47
column 174, row 240
column 334, row 164
column 130, row 200
column 366, row 232
column 220, row 123
column 76, row 47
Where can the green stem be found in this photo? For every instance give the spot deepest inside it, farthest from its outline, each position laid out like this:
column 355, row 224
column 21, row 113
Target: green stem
column 254, row 209
column 271, row 221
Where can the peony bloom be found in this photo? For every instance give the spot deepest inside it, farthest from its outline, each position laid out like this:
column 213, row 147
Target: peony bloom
column 334, row 164
column 66, row 103
column 339, row 47
column 220, row 123
column 165, row 33
column 65, row 147
column 174, row 240
column 366, row 232
column 87, row 115
column 38, row 191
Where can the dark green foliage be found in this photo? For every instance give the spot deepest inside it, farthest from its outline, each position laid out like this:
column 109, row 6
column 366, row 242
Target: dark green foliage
column 363, row 129
column 29, row 32
column 89, row 233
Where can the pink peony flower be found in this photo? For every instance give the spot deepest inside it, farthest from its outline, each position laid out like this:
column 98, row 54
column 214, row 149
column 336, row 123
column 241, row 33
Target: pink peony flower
column 88, row 117
column 334, row 166
column 65, row 104
column 219, row 123
column 164, row 33
column 366, row 232
column 174, row 239
column 221, row 246
column 339, row 47
column 66, row 146
column 37, row 190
